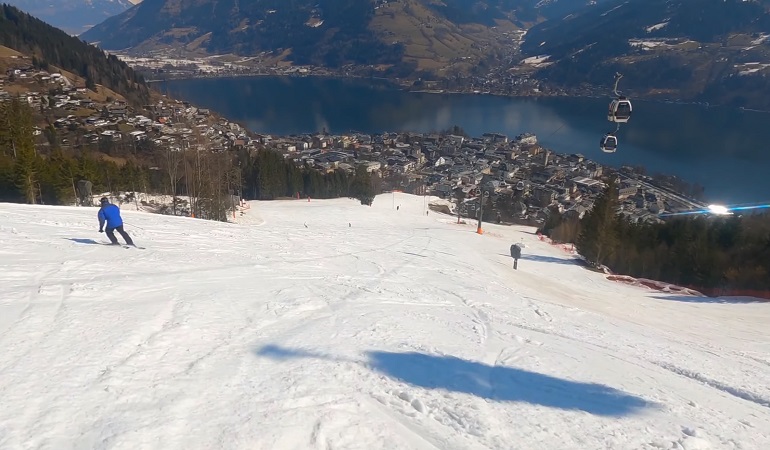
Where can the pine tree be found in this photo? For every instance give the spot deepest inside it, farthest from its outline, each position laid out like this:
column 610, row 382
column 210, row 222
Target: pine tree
column 599, row 232
column 362, row 188
column 6, row 143
column 173, row 164
column 59, row 178
column 20, row 134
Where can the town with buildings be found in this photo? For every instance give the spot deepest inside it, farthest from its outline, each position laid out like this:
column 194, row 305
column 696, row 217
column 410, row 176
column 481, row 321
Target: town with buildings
column 531, row 180
column 524, row 180
column 502, row 80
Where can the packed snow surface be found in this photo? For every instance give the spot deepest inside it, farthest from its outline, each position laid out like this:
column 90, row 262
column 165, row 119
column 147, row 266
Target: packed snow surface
column 327, row 324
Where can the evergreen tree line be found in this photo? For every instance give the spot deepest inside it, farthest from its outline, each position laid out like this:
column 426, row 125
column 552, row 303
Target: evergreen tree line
column 700, row 251
column 29, row 35
column 209, row 179
column 29, row 176
column 267, row 175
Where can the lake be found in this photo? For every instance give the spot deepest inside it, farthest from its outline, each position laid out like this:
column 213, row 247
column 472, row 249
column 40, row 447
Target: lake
column 725, row 150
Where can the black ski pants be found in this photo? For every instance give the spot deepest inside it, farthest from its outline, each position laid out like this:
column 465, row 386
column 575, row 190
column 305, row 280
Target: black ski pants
column 114, row 240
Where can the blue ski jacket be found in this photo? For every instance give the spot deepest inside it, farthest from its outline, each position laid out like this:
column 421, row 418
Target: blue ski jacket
column 110, row 214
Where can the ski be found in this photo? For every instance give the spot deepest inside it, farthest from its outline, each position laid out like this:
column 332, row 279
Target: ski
column 125, row 246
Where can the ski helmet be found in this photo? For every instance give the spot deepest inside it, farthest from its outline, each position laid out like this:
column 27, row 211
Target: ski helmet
column 104, row 201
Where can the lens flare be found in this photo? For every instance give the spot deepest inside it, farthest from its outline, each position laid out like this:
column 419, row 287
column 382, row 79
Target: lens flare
column 719, row 209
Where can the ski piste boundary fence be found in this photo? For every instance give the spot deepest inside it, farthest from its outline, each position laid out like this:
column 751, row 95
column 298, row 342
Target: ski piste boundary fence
column 730, row 292
column 567, row 248
column 663, row 286
column 762, row 295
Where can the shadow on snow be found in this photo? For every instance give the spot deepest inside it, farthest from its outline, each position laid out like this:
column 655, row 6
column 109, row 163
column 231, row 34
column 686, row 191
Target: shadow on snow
column 549, row 259
column 698, row 299
column 83, row 240
column 496, row 383
column 546, row 259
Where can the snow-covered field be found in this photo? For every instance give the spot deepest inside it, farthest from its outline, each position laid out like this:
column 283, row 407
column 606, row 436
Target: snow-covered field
column 327, row 324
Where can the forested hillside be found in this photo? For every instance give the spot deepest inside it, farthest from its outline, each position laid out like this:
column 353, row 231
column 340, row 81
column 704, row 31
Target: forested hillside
column 51, row 46
column 28, row 175
column 711, row 253
column 72, row 16
column 71, row 135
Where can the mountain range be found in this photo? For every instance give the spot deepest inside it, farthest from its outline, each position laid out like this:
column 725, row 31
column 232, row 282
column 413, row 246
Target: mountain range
column 73, row 16
column 452, row 35
column 50, row 46
column 707, row 50
column 696, row 50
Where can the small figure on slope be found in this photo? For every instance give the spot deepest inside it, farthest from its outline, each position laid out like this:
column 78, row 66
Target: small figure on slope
column 111, row 214
column 515, row 254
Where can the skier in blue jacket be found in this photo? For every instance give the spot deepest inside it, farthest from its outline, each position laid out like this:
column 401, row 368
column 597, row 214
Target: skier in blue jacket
column 111, row 214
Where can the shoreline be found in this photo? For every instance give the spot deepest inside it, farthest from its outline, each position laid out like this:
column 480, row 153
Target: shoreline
column 400, row 87
column 712, row 193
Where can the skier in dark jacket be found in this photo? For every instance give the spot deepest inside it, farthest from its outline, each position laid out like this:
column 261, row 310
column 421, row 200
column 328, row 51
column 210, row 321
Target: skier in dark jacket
column 111, row 214
column 515, row 254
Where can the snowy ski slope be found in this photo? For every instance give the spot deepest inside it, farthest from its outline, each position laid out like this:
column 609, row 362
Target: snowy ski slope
column 327, row 324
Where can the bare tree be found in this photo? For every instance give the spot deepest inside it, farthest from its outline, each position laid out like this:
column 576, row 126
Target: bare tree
column 460, row 195
column 193, row 172
column 173, row 163
column 218, row 184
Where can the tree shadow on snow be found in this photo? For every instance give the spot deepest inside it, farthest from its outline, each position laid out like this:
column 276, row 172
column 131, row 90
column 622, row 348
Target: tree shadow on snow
column 82, row 240
column 698, row 299
column 547, row 259
column 496, row 383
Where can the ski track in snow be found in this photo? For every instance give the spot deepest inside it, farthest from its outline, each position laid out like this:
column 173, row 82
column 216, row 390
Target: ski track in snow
column 399, row 332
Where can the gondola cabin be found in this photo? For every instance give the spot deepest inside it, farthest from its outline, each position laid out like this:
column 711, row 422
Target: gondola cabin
column 620, row 110
column 609, row 143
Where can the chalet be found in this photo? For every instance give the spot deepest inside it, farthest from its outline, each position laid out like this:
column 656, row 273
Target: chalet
column 495, row 137
column 138, row 135
column 112, row 134
column 117, row 111
column 627, row 189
